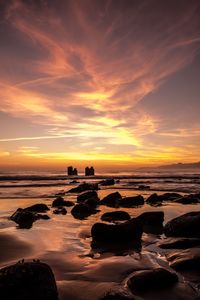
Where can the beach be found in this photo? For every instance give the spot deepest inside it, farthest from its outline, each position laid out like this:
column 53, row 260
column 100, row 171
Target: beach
column 64, row 242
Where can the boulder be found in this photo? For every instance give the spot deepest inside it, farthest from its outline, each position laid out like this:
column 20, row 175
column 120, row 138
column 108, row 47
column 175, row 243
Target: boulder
column 111, row 200
column 124, row 232
column 131, row 201
column 188, row 199
column 105, row 182
column 28, row 281
column 155, row 198
column 150, row 280
column 39, row 207
column 152, row 221
column 179, row 243
column 23, row 218
column 84, row 187
column 59, row 201
column 186, row 225
column 82, row 211
column 118, row 294
column 118, row 215
column 42, row 216
column 153, row 218
column 86, row 195
column 92, row 202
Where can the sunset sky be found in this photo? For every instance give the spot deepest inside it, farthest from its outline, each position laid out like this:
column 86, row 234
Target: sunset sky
column 112, row 83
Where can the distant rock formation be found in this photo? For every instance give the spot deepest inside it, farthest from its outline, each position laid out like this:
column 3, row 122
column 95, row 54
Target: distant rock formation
column 89, row 171
column 72, row 171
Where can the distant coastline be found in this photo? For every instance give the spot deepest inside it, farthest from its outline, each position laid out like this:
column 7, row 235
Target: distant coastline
column 177, row 166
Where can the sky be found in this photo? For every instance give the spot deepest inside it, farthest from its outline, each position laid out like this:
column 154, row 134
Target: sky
column 111, row 83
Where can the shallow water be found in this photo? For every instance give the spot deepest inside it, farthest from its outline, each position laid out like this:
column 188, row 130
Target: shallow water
column 65, row 243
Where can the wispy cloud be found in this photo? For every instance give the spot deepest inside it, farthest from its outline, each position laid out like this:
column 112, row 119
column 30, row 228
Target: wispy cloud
column 82, row 67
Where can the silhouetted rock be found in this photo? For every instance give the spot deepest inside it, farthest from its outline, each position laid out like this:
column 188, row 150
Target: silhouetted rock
column 186, row 225
column 92, row 202
column 179, row 243
column 68, row 203
column 119, row 294
column 188, row 199
column 89, row 171
column 72, row 171
column 152, row 221
column 28, row 281
column 60, row 211
column 185, row 259
column 153, row 218
column 118, row 215
column 39, row 207
column 59, row 201
column 127, row 231
column 23, row 218
column 82, row 210
column 86, row 195
column 105, row 182
column 155, row 198
column 84, row 187
column 42, row 216
column 111, row 200
column 131, row 201
column 148, row 280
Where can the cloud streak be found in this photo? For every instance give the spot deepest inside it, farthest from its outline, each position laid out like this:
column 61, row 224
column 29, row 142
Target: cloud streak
column 82, row 67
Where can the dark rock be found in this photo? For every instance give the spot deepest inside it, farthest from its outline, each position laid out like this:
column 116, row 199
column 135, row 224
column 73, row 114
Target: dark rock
column 92, row 202
column 127, row 231
column 68, row 203
column 82, row 211
column 185, row 259
column 152, row 221
column 153, row 218
column 186, row 225
column 28, row 281
column 60, row 211
column 40, row 207
column 23, row 218
column 43, row 217
column 115, row 216
column 111, row 200
column 105, row 182
column 179, row 243
column 119, row 294
column 188, row 199
column 155, row 198
column 86, row 195
column 149, row 280
column 84, row 187
column 59, row 201
column 131, row 201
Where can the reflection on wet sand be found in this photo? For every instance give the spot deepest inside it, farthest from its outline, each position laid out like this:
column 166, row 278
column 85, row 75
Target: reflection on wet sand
column 84, row 268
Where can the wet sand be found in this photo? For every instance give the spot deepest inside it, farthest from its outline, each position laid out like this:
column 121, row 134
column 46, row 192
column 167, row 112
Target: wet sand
column 65, row 244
